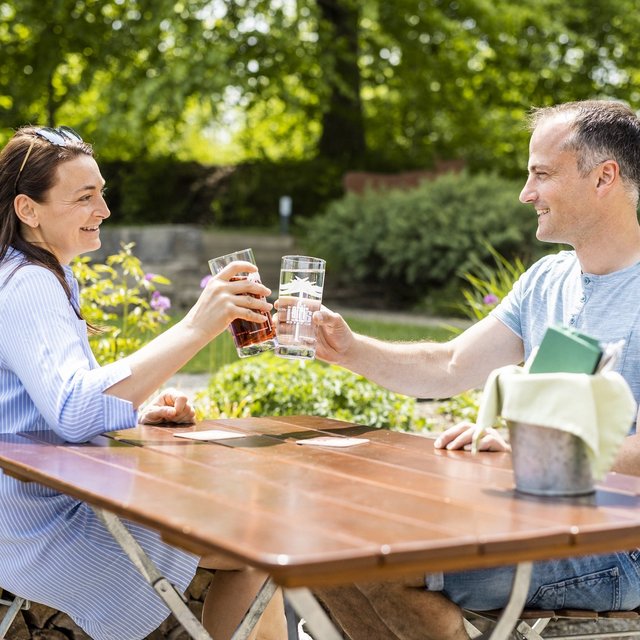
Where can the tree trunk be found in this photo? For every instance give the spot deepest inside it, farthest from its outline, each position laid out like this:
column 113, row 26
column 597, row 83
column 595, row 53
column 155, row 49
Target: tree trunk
column 342, row 124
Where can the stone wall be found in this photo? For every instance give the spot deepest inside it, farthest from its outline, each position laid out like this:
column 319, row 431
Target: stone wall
column 362, row 181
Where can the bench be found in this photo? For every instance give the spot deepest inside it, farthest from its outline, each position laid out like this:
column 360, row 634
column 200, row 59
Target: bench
column 532, row 623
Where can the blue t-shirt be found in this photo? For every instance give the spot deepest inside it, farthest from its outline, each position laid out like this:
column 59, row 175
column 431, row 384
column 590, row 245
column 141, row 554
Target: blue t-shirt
column 554, row 291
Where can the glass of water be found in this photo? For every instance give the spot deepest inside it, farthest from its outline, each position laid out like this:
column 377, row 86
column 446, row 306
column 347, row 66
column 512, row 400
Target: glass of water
column 301, row 284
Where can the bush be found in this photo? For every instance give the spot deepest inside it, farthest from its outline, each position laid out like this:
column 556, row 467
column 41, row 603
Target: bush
column 410, row 242
column 251, row 194
column 157, row 190
column 122, row 302
column 165, row 190
column 268, row 385
column 488, row 287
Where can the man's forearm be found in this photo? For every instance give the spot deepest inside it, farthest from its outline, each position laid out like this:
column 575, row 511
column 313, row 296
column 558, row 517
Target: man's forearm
column 435, row 370
column 414, row 369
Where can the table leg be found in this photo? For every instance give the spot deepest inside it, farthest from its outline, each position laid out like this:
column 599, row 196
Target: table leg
column 307, row 607
column 507, row 621
column 172, row 598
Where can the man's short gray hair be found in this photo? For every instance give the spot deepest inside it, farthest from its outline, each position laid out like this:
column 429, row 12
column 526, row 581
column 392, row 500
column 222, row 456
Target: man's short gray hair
column 601, row 130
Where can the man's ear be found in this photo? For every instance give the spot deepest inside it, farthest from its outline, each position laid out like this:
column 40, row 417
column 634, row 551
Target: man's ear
column 608, row 173
column 25, row 210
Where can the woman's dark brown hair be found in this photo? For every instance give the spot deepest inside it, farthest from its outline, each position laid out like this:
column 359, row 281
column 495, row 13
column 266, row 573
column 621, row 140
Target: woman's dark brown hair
column 37, row 177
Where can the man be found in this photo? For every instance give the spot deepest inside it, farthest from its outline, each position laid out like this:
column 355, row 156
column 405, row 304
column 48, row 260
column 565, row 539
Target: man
column 584, row 183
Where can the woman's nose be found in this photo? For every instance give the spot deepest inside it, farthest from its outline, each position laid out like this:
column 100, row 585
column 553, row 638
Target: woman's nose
column 104, row 211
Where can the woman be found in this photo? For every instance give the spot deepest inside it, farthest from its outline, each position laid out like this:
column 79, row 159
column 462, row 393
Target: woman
column 53, row 548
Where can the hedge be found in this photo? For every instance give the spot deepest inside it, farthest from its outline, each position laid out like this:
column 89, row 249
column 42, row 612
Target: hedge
column 268, row 385
column 407, row 243
column 164, row 190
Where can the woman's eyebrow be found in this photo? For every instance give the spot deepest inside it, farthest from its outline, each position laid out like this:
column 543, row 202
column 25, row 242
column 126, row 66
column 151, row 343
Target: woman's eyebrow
column 88, row 187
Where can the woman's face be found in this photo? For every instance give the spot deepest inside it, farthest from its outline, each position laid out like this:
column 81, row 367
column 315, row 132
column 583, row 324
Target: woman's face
column 68, row 221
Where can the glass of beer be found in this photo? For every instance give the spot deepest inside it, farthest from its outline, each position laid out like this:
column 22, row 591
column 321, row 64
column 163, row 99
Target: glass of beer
column 249, row 337
column 301, row 283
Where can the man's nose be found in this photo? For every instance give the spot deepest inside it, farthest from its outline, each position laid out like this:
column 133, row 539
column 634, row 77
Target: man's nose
column 528, row 193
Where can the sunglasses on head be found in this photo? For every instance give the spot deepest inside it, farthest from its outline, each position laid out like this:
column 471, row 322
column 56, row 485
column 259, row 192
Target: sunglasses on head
column 58, row 136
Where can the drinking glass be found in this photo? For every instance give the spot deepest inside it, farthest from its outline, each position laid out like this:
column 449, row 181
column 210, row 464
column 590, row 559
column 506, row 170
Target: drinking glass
column 301, row 283
column 249, row 337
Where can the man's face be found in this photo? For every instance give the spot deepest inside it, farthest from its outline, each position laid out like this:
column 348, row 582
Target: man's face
column 563, row 199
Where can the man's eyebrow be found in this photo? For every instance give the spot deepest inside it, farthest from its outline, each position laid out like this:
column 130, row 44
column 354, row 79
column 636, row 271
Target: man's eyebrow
column 537, row 167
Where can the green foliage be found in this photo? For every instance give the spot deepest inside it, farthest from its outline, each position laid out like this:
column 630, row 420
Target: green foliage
column 489, row 285
column 158, row 191
column 165, row 190
column 122, row 301
column 278, row 79
column 268, row 385
column 464, row 406
column 251, row 193
column 405, row 243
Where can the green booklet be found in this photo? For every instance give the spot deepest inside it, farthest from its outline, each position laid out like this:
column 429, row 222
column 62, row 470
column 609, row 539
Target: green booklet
column 567, row 350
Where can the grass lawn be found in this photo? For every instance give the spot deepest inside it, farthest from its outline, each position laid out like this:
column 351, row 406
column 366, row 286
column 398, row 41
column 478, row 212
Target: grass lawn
column 221, row 350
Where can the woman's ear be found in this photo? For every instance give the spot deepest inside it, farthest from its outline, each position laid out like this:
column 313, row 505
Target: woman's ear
column 25, row 210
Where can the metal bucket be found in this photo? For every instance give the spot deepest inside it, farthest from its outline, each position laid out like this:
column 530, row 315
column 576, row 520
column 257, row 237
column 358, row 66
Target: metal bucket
column 549, row 462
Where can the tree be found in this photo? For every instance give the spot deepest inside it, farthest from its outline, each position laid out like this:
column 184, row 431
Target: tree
column 370, row 83
column 342, row 135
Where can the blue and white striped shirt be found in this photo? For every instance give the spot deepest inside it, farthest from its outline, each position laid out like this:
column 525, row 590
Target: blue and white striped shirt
column 53, row 550
column 48, row 376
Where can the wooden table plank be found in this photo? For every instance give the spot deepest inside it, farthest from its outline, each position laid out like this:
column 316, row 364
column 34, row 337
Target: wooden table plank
column 316, row 515
column 466, row 498
column 419, row 478
column 170, row 509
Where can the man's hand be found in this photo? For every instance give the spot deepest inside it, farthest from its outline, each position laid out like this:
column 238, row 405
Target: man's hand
column 169, row 406
column 334, row 335
column 460, row 436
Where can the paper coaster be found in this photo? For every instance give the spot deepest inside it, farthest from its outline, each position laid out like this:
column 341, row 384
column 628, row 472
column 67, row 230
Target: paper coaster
column 211, row 434
column 330, row 441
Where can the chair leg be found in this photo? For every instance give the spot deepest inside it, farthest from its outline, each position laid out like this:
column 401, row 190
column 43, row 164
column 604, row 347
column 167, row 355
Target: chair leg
column 523, row 630
column 10, row 615
column 471, row 629
column 532, row 632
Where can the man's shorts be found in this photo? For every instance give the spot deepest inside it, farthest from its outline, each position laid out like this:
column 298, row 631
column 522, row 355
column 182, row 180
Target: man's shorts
column 600, row 583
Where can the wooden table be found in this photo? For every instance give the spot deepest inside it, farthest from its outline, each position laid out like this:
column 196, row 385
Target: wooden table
column 313, row 516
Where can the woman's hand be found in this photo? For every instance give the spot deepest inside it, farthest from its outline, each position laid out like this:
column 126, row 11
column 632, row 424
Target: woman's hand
column 169, row 406
column 227, row 296
column 460, row 436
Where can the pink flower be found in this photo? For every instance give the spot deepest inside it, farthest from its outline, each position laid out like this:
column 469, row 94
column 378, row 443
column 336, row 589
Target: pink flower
column 149, row 276
column 205, row 281
column 491, row 299
column 159, row 302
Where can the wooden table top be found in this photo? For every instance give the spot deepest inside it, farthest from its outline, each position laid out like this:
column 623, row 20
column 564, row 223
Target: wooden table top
column 316, row 515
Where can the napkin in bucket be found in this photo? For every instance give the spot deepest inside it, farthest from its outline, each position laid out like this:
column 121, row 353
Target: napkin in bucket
column 598, row 408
